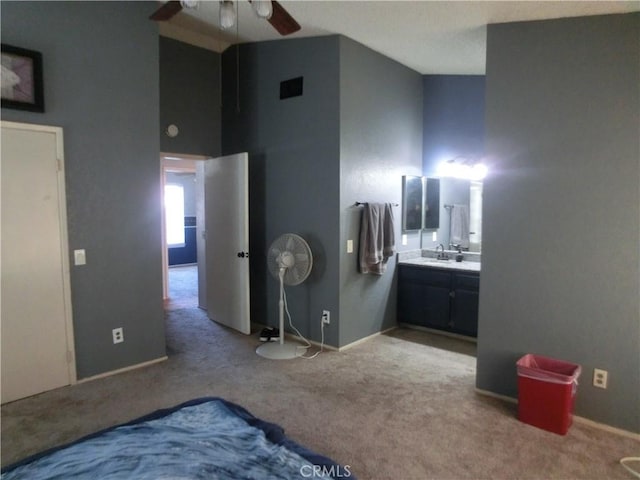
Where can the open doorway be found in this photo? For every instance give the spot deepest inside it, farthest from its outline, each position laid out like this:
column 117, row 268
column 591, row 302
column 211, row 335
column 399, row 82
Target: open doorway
column 222, row 234
column 179, row 230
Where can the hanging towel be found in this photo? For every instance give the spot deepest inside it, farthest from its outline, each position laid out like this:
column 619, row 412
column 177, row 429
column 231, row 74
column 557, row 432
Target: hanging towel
column 377, row 238
column 460, row 225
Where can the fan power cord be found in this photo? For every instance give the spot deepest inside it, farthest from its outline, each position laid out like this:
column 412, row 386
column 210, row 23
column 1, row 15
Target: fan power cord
column 308, row 343
column 625, row 460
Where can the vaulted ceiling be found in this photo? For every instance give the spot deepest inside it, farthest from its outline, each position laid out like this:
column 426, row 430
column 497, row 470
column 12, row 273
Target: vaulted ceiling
column 431, row 37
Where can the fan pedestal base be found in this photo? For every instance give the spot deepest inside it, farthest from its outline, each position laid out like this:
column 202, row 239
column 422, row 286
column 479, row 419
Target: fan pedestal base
column 280, row 351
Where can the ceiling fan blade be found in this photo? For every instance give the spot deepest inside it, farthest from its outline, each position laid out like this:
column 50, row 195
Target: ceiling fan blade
column 166, row 11
column 282, row 21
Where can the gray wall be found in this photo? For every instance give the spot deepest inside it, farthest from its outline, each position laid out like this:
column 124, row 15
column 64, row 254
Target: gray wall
column 453, row 126
column 293, row 147
column 380, row 140
column 104, row 93
column 189, row 98
column 350, row 137
column 453, row 118
column 561, row 263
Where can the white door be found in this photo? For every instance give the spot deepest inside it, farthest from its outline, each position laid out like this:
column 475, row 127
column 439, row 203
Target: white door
column 200, row 237
column 226, row 182
column 35, row 313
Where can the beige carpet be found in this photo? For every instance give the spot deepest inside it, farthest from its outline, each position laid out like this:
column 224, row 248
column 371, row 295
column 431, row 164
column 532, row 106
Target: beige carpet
column 400, row 406
column 182, row 287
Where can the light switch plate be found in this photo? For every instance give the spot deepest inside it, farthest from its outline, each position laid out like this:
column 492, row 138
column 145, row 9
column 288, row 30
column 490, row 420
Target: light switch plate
column 349, row 246
column 79, row 257
column 404, row 239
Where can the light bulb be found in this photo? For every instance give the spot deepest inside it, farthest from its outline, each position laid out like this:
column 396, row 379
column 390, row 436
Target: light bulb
column 189, row 3
column 227, row 14
column 478, row 171
column 263, row 8
column 453, row 169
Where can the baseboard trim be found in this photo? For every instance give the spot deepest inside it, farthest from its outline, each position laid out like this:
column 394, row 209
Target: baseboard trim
column 291, row 336
column 122, row 370
column 576, row 418
column 504, row 398
column 365, row 339
column 312, row 342
column 331, row 347
column 606, row 428
column 444, row 333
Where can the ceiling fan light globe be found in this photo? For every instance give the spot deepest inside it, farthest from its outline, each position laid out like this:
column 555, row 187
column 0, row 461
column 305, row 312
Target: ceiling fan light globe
column 263, row 8
column 189, row 3
column 227, row 14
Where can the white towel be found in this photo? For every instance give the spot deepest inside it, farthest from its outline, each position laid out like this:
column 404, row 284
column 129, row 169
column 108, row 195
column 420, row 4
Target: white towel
column 460, row 226
column 377, row 237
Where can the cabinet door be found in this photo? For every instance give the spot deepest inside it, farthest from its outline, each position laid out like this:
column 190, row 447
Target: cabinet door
column 423, row 305
column 423, row 297
column 464, row 312
column 436, row 307
column 411, row 303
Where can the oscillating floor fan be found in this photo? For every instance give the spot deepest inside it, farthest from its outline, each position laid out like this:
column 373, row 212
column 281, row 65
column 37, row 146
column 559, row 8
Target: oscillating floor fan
column 290, row 261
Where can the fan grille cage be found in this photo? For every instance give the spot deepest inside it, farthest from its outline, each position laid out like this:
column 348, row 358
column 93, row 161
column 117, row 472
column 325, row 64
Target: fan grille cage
column 293, row 253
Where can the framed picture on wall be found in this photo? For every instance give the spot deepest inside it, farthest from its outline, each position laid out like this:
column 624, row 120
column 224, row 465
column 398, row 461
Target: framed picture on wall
column 22, row 86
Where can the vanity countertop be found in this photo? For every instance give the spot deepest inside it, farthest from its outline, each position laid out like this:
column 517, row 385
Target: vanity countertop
column 450, row 264
column 427, row 258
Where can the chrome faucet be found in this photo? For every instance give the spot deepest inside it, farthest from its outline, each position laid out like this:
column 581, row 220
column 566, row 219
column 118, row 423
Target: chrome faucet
column 441, row 255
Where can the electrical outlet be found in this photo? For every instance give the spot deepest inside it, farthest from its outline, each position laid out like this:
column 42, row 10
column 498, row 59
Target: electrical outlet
column 118, row 335
column 326, row 317
column 600, row 378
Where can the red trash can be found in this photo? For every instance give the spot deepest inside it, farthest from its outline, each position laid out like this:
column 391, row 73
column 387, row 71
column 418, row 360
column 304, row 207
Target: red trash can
column 546, row 392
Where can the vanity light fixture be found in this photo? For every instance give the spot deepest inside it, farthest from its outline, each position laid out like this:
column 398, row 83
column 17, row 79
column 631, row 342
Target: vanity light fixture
column 464, row 168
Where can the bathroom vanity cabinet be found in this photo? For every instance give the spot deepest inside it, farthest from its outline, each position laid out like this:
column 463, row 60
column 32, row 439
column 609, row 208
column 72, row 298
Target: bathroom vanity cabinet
column 439, row 298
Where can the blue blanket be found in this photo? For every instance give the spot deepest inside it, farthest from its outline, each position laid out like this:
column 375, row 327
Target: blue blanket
column 208, row 438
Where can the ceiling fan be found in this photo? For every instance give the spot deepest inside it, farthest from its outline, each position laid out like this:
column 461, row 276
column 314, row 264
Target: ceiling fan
column 270, row 10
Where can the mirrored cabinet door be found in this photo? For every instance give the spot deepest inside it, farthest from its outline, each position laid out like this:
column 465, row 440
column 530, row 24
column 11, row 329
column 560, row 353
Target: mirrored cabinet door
column 412, row 202
column 432, row 204
column 420, row 203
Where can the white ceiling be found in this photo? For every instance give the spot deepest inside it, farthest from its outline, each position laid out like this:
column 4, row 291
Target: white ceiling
column 431, row 37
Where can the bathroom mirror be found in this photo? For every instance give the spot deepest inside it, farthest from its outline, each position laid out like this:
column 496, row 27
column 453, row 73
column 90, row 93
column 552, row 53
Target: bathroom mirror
column 420, row 203
column 412, row 202
column 463, row 195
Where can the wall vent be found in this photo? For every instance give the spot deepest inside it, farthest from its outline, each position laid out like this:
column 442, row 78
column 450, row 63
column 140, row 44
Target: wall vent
column 291, row 88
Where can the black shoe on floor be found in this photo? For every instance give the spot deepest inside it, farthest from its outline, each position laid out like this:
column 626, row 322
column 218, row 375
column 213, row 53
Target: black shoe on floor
column 269, row 334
